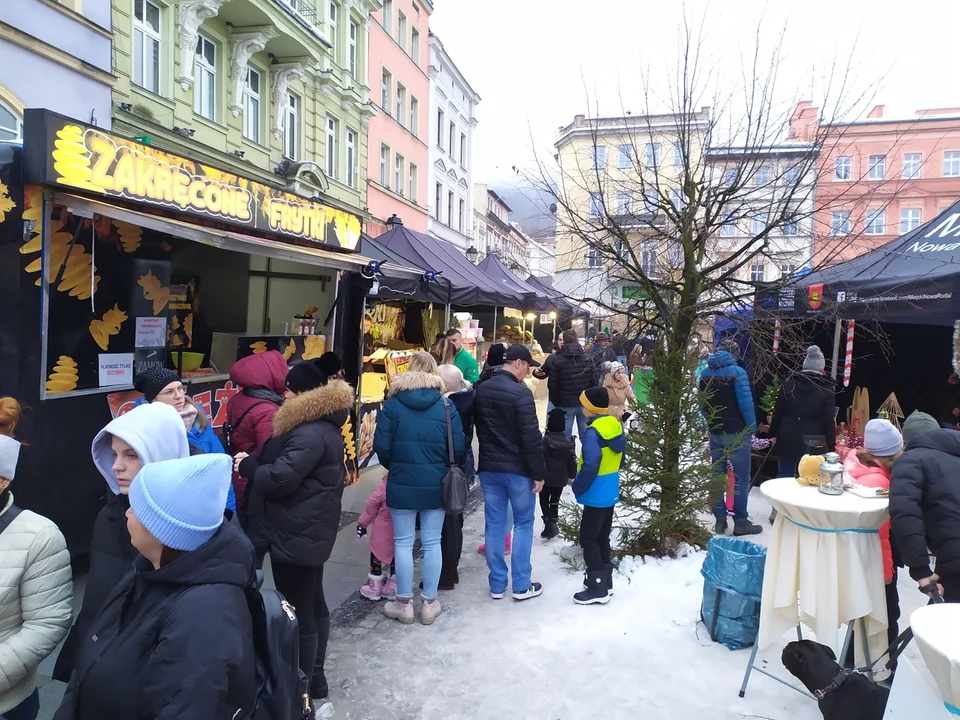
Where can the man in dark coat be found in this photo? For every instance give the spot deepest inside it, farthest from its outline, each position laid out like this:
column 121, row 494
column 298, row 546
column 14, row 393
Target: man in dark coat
column 511, row 470
column 804, row 415
column 569, row 372
column 925, row 503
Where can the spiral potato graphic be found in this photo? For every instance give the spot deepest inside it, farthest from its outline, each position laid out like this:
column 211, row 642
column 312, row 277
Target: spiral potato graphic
column 258, row 347
column 64, row 376
column 71, row 159
column 130, row 235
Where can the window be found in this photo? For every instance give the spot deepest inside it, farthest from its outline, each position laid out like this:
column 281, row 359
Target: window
column 332, row 15
column 911, row 165
column 677, row 155
column 875, row 222
column 652, row 154
column 787, row 269
column 460, row 215
column 791, row 225
column 414, row 116
column 648, row 260
column 401, row 103
column 728, row 229
column 333, row 162
column 415, row 45
column 401, row 29
column 398, row 176
column 758, row 272
column 437, row 209
column 205, row 82
column 791, row 175
column 623, row 202
column 450, row 208
column 678, row 199
column 951, row 164
column 844, row 168
column 451, row 137
column 651, row 201
column 387, row 16
column 251, row 114
column 290, row 126
column 414, row 183
column 386, row 83
column 909, row 219
column 351, row 146
column 463, row 150
column 878, row 167
column 840, row 223
column 599, row 157
column 440, row 127
column 729, row 177
column 146, row 45
column 352, row 53
column 593, row 257
column 385, row 168
column 11, row 124
column 759, row 224
column 624, row 156
column 761, row 178
column 596, row 204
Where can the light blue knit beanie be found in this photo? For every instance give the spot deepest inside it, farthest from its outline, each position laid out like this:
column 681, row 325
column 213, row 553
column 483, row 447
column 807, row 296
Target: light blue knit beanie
column 180, row 502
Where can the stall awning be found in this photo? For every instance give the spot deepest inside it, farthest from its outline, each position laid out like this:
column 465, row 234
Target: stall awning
column 229, row 240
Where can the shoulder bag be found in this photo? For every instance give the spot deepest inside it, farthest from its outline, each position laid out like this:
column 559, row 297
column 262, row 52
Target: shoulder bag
column 455, row 481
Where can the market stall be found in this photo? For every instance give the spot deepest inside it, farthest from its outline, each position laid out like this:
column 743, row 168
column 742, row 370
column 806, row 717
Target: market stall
column 117, row 257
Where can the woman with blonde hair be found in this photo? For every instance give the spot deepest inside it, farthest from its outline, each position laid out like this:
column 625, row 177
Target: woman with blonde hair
column 36, row 603
column 444, row 351
column 411, row 442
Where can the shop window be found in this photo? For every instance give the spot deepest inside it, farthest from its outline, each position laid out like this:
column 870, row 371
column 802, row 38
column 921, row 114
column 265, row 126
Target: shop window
column 146, row 45
column 205, row 80
column 251, row 115
column 11, row 124
column 351, row 146
column 352, row 51
column 333, row 152
column 291, row 126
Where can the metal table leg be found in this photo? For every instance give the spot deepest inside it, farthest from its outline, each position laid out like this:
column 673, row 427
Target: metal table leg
column 751, row 667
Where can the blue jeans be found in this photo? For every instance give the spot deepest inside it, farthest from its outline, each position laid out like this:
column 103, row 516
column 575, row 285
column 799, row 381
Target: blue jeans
column 739, row 455
column 571, row 414
column 404, row 530
column 27, row 710
column 500, row 492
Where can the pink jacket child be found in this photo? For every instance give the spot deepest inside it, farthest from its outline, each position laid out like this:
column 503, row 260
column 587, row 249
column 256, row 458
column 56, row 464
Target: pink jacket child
column 380, row 584
column 876, row 477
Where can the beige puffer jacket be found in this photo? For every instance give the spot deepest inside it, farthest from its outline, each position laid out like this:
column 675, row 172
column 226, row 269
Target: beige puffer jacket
column 36, row 601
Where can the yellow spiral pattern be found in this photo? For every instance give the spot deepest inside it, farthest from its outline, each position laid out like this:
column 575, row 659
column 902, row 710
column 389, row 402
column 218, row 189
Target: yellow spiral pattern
column 258, row 347
column 71, row 159
column 64, row 376
column 130, row 235
column 101, row 330
column 291, row 349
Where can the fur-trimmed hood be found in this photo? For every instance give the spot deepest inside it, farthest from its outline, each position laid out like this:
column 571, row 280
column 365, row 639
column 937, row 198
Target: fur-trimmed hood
column 417, row 390
column 333, row 399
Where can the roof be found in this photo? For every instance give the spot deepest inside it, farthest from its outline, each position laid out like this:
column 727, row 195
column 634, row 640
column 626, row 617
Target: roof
column 435, row 40
column 499, row 199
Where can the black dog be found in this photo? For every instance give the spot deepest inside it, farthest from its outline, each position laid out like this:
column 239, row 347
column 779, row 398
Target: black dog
column 841, row 696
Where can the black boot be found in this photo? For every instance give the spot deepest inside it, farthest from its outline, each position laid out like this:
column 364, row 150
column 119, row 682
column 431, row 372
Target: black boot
column 308, row 651
column 550, row 530
column 596, row 592
column 318, row 681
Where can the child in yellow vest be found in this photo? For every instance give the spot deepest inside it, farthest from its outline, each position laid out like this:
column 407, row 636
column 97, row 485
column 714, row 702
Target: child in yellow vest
column 597, row 488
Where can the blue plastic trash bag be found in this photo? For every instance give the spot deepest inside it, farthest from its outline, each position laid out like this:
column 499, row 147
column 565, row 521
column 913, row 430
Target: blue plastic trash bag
column 733, row 581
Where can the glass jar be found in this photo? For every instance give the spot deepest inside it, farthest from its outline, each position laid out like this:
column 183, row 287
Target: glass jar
column 831, row 475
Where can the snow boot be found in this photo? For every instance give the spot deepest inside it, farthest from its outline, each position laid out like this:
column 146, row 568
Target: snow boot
column 373, row 590
column 746, row 527
column 507, row 546
column 596, row 592
column 389, row 588
column 721, row 526
column 400, row 609
column 550, row 530
column 608, row 574
column 319, row 690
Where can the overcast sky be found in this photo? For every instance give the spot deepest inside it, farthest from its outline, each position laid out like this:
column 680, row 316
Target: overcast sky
column 537, row 63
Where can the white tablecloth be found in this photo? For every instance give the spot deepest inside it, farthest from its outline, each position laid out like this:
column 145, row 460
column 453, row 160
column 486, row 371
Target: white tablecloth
column 837, row 576
column 936, row 629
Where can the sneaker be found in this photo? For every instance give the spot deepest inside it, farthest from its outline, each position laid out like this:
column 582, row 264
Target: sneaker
column 401, row 610
column 496, row 595
column 390, row 588
column 373, row 590
column 746, row 527
column 429, row 611
column 535, row 590
column 721, row 526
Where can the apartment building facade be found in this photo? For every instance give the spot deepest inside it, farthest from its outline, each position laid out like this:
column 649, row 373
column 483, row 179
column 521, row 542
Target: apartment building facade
column 56, row 55
column 881, row 177
column 399, row 134
column 491, row 221
column 275, row 90
column 453, row 105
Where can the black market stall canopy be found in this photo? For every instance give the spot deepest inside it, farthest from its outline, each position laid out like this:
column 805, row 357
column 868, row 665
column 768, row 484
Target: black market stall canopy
column 559, row 301
column 448, row 277
column 492, row 267
column 913, row 279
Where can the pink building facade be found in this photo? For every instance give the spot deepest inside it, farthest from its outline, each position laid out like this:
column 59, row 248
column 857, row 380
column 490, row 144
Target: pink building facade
column 880, row 178
column 398, row 152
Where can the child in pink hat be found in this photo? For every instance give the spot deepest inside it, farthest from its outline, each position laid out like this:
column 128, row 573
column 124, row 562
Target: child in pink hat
column 380, row 584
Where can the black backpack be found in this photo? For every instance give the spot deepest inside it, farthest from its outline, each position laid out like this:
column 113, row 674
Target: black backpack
column 282, row 692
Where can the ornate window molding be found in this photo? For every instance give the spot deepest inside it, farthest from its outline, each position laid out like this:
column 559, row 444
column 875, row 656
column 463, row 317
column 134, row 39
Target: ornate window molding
column 192, row 15
column 243, row 46
column 283, row 75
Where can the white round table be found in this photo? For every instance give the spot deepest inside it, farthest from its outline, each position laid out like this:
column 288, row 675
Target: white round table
column 936, row 628
column 824, row 566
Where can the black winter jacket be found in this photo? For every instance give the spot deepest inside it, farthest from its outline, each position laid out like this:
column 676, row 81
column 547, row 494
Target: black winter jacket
column 111, row 557
column 806, row 405
column 559, row 459
column 297, row 479
column 925, row 504
column 174, row 643
column 569, row 372
column 464, row 401
column 507, row 428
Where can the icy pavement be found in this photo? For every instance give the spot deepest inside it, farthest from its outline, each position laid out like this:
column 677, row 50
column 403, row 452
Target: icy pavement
column 642, row 655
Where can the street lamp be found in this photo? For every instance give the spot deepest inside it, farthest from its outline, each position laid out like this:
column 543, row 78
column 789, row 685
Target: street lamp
column 472, row 254
column 529, row 317
column 553, row 319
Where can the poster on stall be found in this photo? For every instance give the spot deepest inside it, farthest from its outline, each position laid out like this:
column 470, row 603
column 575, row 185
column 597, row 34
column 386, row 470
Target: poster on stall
column 397, row 363
column 367, row 420
column 211, row 397
column 149, row 358
column 151, row 332
column 180, row 318
column 116, row 369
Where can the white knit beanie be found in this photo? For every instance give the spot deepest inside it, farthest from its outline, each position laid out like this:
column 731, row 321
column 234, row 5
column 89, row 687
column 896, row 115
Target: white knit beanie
column 9, row 454
column 814, row 361
column 881, row 438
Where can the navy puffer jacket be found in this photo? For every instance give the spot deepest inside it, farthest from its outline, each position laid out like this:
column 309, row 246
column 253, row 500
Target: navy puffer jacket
column 411, row 441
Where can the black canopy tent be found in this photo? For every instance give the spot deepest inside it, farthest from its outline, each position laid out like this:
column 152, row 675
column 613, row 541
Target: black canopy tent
column 560, row 303
column 493, row 267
